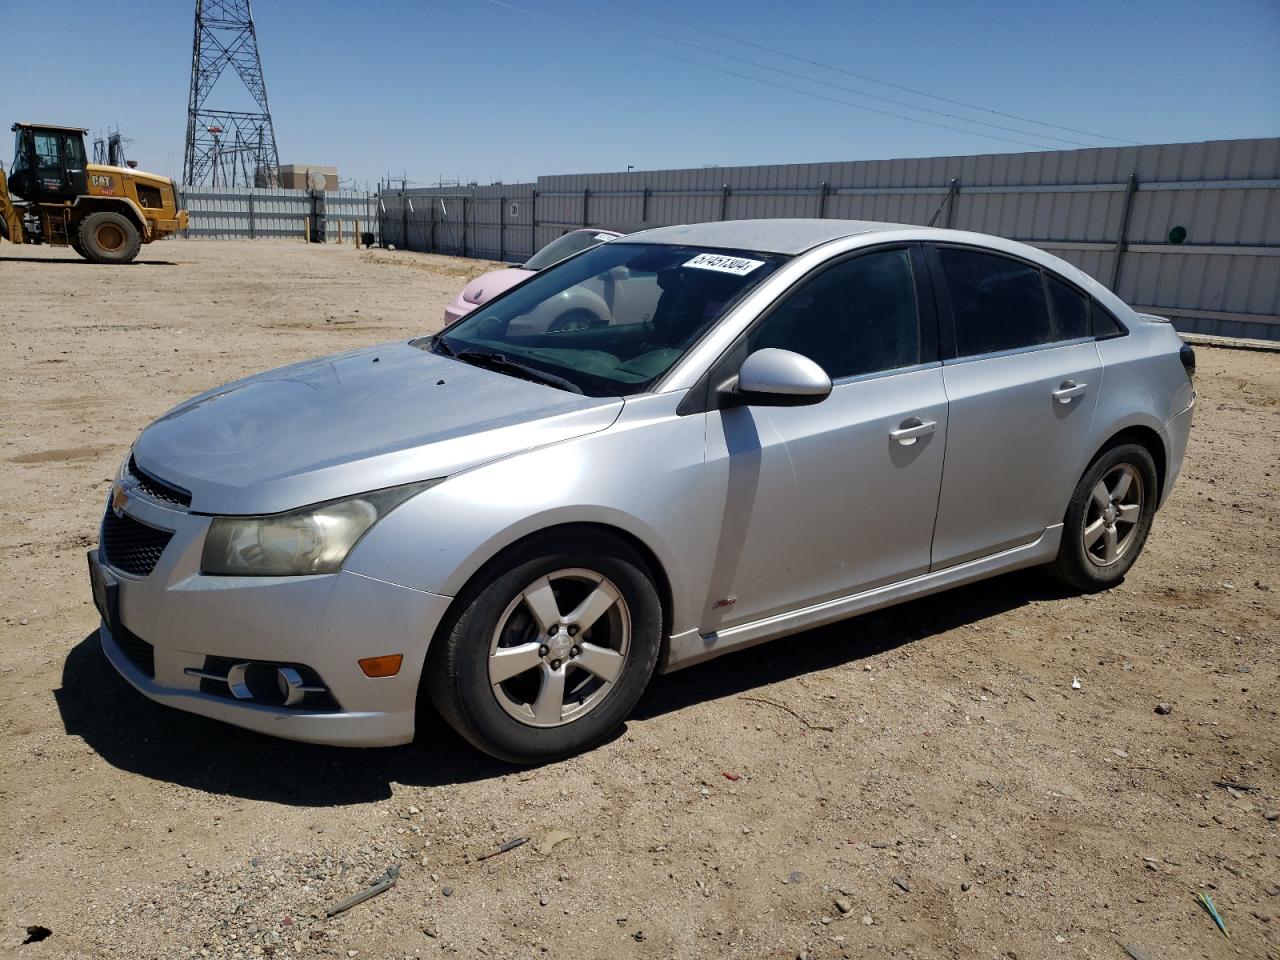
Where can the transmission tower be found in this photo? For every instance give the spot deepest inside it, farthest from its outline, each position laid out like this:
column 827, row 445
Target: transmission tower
column 228, row 147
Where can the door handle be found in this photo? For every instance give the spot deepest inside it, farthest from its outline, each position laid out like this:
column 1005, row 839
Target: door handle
column 1069, row 391
column 912, row 430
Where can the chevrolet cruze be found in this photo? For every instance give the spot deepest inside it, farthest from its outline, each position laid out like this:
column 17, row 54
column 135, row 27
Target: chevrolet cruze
column 781, row 424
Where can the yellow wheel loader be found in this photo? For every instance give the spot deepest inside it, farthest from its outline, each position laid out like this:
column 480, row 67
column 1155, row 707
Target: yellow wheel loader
column 54, row 195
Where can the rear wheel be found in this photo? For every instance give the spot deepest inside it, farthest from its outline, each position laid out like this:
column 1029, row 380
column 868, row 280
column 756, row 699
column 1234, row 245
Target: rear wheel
column 108, row 237
column 1108, row 519
column 551, row 652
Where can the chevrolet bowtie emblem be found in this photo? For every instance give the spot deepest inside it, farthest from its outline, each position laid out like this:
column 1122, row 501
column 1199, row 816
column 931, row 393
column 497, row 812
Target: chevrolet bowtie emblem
column 119, row 499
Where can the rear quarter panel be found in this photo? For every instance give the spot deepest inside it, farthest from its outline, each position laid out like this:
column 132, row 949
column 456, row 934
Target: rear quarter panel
column 1143, row 384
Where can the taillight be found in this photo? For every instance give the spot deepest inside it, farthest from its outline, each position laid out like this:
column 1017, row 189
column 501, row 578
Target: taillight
column 1188, row 357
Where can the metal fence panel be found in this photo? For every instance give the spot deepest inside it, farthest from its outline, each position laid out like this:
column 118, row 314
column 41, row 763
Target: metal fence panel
column 1110, row 211
column 227, row 213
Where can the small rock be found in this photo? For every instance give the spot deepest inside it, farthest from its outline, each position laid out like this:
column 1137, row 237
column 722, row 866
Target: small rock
column 843, row 905
column 353, row 953
column 638, row 936
column 447, row 891
column 1164, row 709
column 1137, row 952
column 879, row 844
column 23, row 621
column 543, row 899
column 1271, row 814
column 1075, row 683
column 966, row 886
column 414, row 810
column 824, row 920
column 866, row 920
column 1120, row 753
column 1151, row 864
column 900, row 882
column 795, row 876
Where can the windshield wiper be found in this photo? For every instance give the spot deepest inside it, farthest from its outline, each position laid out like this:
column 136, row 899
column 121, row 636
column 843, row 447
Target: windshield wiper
column 441, row 346
column 503, row 364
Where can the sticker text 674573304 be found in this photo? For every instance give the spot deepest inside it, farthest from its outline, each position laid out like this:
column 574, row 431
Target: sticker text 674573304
column 739, row 266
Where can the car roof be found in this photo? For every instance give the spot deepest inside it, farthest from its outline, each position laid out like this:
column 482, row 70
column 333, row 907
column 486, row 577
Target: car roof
column 782, row 235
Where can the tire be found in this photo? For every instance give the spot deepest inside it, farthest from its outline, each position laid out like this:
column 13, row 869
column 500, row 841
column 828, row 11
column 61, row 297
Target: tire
column 78, row 247
column 1108, row 519
column 510, row 718
column 109, row 238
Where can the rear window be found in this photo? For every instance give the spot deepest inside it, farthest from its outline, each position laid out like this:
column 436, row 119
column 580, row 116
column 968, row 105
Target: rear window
column 565, row 246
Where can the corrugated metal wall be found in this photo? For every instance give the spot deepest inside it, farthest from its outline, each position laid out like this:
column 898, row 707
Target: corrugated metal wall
column 1109, row 211
column 228, row 213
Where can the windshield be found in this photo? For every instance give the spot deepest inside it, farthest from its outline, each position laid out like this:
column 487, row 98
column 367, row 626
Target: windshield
column 565, row 246
column 609, row 322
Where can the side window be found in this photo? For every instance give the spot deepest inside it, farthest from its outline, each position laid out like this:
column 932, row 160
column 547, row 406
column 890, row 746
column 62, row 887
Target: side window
column 1104, row 324
column 858, row 316
column 73, row 150
column 1070, row 310
column 998, row 303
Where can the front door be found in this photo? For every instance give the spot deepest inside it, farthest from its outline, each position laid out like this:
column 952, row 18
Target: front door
column 1022, row 385
column 827, row 500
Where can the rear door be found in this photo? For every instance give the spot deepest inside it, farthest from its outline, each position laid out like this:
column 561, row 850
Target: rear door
column 1022, row 376
column 827, row 500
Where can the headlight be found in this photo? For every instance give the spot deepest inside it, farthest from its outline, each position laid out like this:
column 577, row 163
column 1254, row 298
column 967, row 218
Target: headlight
column 311, row 540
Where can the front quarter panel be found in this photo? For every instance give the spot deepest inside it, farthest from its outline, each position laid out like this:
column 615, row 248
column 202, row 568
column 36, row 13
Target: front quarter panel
column 644, row 475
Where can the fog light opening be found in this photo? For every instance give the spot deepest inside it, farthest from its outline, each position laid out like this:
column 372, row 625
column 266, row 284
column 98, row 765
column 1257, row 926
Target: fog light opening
column 387, row 665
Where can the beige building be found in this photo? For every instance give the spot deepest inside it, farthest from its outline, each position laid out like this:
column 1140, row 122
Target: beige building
column 297, row 176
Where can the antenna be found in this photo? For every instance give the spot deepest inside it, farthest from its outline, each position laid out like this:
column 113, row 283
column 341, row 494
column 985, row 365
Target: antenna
column 222, row 143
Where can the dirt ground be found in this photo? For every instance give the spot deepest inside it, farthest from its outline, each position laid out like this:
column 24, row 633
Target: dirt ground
column 941, row 791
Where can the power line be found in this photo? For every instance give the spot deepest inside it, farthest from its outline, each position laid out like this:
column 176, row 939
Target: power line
column 771, row 83
column 862, row 76
column 837, row 86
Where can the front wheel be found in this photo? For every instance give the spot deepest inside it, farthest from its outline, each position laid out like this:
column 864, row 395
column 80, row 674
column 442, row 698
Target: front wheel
column 551, row 652
column 1108, row 519
column 108, row 237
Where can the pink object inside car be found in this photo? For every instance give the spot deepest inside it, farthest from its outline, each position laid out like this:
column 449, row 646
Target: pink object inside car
column 488, row 285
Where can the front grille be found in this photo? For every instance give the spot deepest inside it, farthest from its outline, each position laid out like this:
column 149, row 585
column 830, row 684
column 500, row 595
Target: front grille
column 140, row 653
column 132, row 546
column 157, row 489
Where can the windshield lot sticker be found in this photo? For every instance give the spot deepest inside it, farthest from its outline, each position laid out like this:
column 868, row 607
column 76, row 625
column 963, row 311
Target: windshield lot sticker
column 738, row 266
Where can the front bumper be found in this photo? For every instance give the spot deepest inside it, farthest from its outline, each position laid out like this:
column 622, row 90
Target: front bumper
column 326, row 623
column 458, row 309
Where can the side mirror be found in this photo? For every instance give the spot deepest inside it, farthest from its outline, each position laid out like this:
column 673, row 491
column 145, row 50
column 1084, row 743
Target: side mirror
column 780, row 378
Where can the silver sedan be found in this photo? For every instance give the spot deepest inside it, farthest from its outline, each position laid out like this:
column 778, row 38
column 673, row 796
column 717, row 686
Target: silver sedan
column 778, row 424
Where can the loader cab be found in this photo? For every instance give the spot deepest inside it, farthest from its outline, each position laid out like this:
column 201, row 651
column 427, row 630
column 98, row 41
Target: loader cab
column 49, row 163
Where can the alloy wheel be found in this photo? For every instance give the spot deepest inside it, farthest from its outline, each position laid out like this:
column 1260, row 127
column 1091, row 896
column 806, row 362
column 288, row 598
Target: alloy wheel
column 1111, row 520
column 559, row 647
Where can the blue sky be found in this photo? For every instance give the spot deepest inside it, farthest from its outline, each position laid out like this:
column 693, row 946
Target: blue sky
column 476, row 90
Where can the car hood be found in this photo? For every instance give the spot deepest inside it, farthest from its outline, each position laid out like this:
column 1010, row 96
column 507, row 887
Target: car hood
column 351, row 423
column 488, row 285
